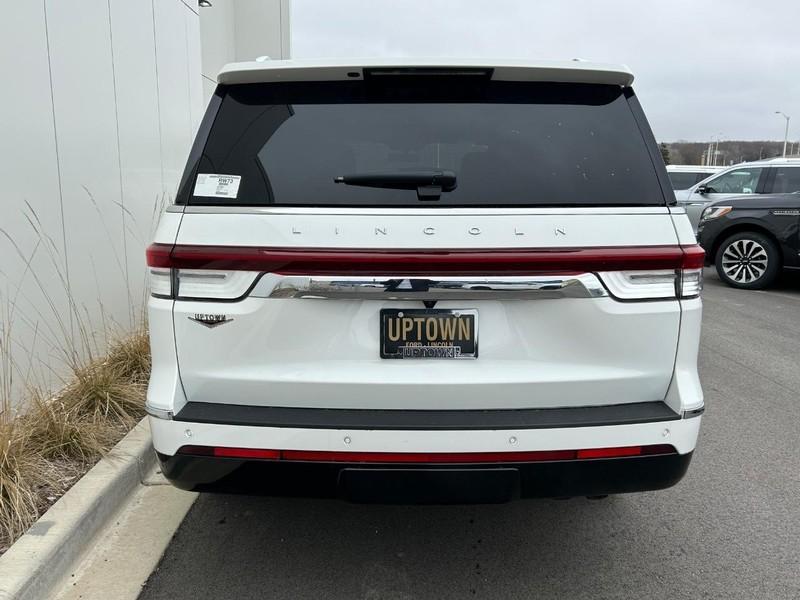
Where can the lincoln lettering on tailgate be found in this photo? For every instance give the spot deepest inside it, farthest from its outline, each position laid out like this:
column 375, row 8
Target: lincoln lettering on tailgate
column 429, row 333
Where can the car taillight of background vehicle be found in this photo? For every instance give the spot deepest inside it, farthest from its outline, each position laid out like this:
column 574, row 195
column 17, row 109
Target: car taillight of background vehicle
column 217, row 273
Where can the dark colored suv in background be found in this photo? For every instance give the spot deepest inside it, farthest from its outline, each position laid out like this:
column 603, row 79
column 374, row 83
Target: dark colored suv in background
column 770, row 176
column 751, row 238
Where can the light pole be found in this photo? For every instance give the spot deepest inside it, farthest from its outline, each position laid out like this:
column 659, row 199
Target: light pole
column 786, row 133
column 713, row 150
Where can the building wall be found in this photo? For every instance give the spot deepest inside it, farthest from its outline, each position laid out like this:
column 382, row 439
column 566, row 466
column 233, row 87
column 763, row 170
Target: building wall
column 99, row 108
column 237, row 30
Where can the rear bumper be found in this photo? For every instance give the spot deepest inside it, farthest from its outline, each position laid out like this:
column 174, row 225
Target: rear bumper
column 339, row 461
column 421, row 420
column 405, row 484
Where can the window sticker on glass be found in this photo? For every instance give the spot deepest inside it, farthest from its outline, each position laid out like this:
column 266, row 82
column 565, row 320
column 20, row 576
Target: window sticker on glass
column 217, row 186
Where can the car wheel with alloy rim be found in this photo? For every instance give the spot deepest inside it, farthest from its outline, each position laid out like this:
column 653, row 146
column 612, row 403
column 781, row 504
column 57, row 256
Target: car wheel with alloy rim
column 748, row 260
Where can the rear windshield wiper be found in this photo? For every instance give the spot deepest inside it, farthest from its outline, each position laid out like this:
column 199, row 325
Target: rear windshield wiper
column 429, row 184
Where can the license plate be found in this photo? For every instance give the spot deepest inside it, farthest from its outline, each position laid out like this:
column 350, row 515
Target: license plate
column 429, row 333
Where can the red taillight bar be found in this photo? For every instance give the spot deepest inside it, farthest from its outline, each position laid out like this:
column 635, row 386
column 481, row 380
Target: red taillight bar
column 525, row 261
column 425, row 457
column 693, row 257
column 158, row 255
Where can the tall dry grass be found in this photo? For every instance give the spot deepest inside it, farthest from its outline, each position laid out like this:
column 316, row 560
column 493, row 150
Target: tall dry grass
column 49, row 439
column 23, row 474
column 47, row 446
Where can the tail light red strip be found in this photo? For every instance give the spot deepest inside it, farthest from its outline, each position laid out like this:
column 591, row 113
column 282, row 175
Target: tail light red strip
column 425, row 457
column 693, row 257
column 298, row 261
column 158, row 255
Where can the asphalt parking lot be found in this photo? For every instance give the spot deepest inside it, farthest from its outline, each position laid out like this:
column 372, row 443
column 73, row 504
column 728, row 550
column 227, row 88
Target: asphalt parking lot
column 730, row 529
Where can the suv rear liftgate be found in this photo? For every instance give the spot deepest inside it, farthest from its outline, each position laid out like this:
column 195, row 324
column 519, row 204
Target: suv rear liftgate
column 472, row 285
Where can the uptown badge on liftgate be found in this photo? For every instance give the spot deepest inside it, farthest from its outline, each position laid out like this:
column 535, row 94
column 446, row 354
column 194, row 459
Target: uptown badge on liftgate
column 210, row 321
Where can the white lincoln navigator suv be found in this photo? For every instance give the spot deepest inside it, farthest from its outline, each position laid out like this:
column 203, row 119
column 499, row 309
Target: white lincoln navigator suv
column 424, row 282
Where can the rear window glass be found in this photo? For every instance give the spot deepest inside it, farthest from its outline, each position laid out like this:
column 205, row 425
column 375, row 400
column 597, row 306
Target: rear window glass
column 787, row 180
column 508, row 144
column 684, row 180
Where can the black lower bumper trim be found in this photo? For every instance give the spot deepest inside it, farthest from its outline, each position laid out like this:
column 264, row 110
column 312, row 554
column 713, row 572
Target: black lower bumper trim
column 445, row 484
column 338, row 418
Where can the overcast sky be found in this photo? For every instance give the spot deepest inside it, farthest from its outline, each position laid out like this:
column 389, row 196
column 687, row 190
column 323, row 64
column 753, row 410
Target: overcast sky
column 702, row 67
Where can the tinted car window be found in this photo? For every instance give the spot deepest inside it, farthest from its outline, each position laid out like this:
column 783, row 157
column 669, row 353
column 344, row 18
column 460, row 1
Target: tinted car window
column 684, row 179
column 739, row 181
column 786, row 181
column 529, row 144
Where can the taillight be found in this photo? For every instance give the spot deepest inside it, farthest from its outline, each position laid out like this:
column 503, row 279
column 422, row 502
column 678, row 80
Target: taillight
column 489, row 261
column 690, row 282
column 193, row 284
column 685, row 280
column 213, row 284
column 159, row 271
column 160, row 282
column 228, row 272
column 641, row 285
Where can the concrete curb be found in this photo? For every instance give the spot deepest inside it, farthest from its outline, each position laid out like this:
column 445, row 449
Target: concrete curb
column 39, row 560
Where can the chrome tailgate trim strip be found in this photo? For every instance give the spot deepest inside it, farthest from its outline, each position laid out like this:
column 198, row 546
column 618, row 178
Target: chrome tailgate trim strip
column 585, row 285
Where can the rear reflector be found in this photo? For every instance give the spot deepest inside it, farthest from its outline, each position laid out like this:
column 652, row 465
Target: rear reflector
column 610, row 452
column 425, row 457
column 246, row 453
column 297, row 261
